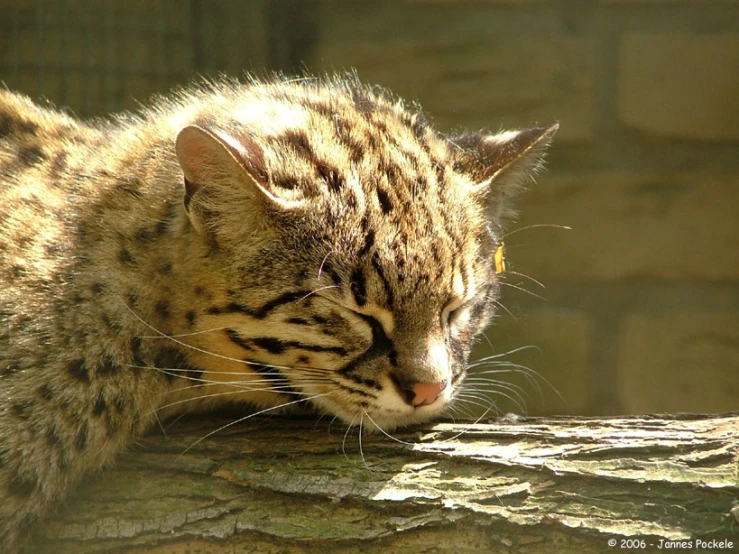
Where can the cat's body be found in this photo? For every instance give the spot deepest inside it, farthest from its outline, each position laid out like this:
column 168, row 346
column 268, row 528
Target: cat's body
column 325, row 245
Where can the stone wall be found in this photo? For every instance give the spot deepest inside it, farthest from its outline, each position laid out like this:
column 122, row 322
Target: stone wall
column 640, row 306
column 639, row 309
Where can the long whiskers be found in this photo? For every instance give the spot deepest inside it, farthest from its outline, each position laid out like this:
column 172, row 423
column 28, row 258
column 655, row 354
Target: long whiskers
column 536, row 226
column 319, row 289
column 525, row 277
column 281, row 390
column 249, row 416
column 388, row 435
column 522, row 290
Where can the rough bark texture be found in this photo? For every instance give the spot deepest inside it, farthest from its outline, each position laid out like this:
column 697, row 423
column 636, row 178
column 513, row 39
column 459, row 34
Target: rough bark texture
column 527, row 485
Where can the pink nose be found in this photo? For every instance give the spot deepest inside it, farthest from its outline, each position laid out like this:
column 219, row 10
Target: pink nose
column 422, row 394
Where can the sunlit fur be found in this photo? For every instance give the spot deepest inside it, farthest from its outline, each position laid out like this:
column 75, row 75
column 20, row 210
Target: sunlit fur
column 266, row 244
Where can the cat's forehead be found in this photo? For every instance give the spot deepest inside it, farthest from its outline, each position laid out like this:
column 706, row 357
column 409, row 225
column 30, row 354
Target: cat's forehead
column 361, row 150
column 339, row 127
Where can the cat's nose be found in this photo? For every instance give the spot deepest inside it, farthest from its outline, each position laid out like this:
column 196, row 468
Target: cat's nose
column 422, row 394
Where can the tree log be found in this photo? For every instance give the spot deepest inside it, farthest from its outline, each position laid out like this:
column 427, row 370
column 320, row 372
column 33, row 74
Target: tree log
column 515, row 485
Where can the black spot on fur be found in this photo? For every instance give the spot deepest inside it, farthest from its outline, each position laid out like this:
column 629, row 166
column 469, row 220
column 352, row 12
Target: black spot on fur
column 6, row 125
column 191, row 317
column 277, row 346
column 363, row 102
column 303, row 360
column 52, row 437
column 112, row 324
column 285, row 298
column 331, row 177
column 287, row 182
column 45, row 392
column 22, row 486
column 125, row 257
column 120, row 404
column 173, row 363
column 369, row 383
column 100, row 406
column 419, row 126
column 385, row 283
column 364, row 223
column 108, row 367
column 97, row 288
column 385, row 204
column 22, row 410
column 165, row 268
column 130, row 187
column 369, row 241
column 59, row 164
column 78, row 370
column 27, row 127
column 162, row 309
column 329, row 270
column 237, row 339
column 298, row 321
column 144, row 235
column 31, row 155
column 323, row 108
column 360, row 392
column 135, row 345
column 161, row 228
column 80, row 442
column 271, row 345
column 351, row 200
column 435, row 255
column 18, row 271
column 233, row 308
column 11, row 366
column 298, row 140
column 24, row 241
column 359, row 287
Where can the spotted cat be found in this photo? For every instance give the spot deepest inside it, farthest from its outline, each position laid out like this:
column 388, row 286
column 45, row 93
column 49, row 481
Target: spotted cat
column 268, row 243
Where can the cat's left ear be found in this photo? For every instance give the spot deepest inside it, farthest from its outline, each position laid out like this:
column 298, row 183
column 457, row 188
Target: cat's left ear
column 208, row 156
column 500, row 165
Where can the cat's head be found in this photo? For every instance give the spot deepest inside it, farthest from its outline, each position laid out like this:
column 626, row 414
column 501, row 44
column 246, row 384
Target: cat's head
column 360, row 243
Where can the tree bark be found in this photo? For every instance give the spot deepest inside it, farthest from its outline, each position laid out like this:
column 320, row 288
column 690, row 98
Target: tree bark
column 514, row 485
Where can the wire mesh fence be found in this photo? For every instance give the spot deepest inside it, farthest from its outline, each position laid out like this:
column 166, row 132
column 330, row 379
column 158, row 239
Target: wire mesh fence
column 102, row 56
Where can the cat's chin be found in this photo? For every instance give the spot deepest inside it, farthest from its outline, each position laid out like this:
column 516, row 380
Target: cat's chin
column 382, row 423
column 383, row 420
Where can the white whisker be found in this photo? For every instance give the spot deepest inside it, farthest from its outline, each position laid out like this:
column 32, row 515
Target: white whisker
column 311, row 293
column 242, row 419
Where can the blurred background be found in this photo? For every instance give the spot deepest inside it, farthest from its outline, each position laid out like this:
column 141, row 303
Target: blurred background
column 639, row 311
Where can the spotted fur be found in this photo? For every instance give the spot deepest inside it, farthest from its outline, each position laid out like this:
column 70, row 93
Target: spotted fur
column 268, row 243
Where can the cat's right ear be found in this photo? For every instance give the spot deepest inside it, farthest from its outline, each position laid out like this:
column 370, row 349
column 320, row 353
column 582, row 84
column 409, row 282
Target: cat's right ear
column 499, row 165
column 213, row 161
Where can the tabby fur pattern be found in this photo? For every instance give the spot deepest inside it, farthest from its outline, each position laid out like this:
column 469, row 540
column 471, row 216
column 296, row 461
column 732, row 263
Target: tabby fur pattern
column 272, row 243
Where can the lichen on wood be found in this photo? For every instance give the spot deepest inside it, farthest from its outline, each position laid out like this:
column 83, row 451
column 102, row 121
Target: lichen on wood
column 292, row 485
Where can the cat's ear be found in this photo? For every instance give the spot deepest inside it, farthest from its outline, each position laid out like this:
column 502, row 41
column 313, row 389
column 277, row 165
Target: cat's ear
column 501, row 165
column 212, row 160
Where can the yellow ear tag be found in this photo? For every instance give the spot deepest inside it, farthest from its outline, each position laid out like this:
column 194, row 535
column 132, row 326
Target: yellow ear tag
column 500, row 258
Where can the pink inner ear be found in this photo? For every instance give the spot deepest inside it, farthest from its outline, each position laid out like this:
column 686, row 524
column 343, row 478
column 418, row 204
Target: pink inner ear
column 192, row 152
column 193, row 147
